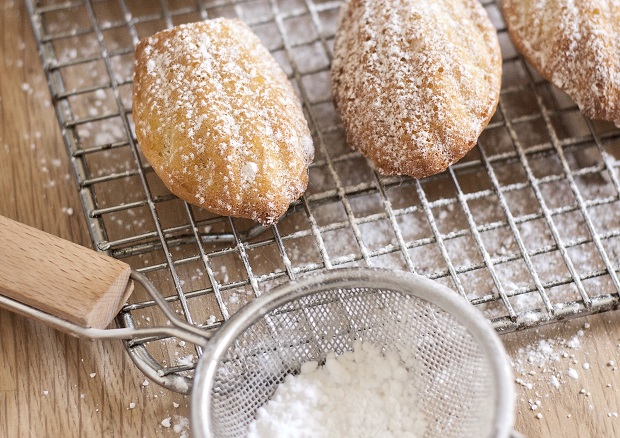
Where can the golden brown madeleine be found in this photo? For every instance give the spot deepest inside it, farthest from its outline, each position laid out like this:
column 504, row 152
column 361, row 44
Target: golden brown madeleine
column 415, row 81
column 575, row 45
column 219, row 121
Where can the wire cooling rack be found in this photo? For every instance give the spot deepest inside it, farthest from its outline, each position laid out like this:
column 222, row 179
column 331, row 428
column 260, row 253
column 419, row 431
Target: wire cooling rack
column 525, row 226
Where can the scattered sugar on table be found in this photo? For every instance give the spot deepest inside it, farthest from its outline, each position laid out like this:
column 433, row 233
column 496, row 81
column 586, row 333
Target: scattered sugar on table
column 186, row 360
column 363, row 393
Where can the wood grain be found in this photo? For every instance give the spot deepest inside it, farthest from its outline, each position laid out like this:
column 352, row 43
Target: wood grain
column 586, row 406
column 46, row 388
column 59, row 277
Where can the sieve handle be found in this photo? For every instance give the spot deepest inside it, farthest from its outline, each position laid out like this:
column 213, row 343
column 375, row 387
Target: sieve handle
column 59, row 278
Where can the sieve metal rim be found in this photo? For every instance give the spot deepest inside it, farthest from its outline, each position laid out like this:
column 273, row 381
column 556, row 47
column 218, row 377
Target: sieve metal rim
column 408, row 283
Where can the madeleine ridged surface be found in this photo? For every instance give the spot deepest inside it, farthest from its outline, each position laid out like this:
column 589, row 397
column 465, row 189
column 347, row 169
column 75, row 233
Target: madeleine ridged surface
column 575, row 45
column 219, row 121
column 415, row 82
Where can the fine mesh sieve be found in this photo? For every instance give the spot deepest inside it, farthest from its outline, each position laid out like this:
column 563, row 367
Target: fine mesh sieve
column 462, row 370
column 453, row 354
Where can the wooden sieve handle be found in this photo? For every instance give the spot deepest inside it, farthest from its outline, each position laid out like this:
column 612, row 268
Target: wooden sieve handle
column 59, row 277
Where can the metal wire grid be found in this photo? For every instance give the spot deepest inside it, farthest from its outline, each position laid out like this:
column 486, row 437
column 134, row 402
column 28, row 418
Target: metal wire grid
column 525, row 226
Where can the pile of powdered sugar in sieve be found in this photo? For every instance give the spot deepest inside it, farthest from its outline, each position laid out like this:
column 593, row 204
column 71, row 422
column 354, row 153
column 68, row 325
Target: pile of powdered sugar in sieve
column 362, row 393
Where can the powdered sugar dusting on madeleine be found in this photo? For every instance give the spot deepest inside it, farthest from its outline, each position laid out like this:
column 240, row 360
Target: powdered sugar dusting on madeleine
column 415, row 82
column 219, row 121
column 575, row 45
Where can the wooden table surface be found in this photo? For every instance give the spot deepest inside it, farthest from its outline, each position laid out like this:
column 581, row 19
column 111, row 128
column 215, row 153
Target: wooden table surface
column 53, row 385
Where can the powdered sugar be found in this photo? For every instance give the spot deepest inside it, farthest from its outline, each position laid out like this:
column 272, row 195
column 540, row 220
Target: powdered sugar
column 555, row 366
column 219, row 121
column 545, row 354
column 553, row 381
column 415, row 81
column 363, row 393
column 186, row 360
column 575, row 45
column 180, row 425
column 248, row 171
